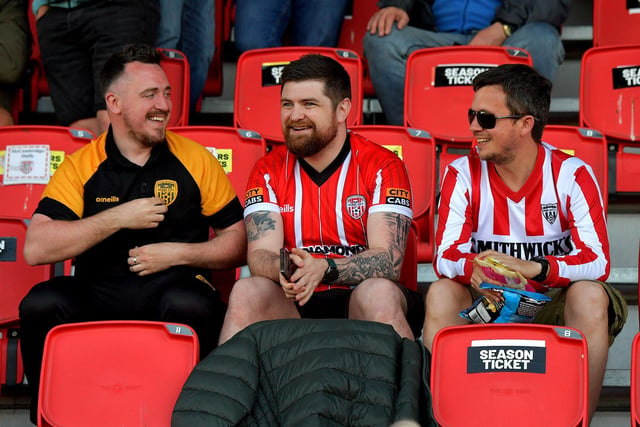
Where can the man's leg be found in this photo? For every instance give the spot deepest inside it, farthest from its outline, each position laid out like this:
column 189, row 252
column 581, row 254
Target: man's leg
column 383, row 301
column 387, row 58
column 254, row 299
column 543, row 43
column 194, row 303
column 260, row 24
column 586, row 309
column 317, row 23
column 445, row 299
column 48, row 304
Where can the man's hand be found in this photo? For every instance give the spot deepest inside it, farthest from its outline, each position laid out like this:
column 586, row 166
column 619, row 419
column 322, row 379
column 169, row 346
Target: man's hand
column 306, row 278
column 493, row 35
column 140, row 213
column 528, row 269
column 155, row 257
column 382, row 21
column 41, row 11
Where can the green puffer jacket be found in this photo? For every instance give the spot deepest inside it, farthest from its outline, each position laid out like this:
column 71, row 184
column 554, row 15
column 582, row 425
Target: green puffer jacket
column 309, row 372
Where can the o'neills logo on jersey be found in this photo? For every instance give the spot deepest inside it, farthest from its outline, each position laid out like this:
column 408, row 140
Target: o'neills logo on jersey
column 550, row 212
column 398, row 196
column 356, row 206
column 254, row 195
column 167, row 190
column 111, row 199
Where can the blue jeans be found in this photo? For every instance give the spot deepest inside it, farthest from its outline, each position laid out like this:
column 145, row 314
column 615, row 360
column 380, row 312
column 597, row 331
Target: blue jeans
column 188, row 26
column 387, row 57
column 261, row 24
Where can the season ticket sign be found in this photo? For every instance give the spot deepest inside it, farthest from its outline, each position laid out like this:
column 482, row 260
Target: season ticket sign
column 507, row 355
column 458, row 74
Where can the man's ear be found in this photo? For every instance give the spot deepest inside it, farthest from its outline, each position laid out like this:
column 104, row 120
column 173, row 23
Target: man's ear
column 113, row 103
column 527, row 124
column 343, row 110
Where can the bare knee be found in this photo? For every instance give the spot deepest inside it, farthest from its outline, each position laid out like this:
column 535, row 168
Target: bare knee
column 445, row 296
column 586, row 301
column 376, row 298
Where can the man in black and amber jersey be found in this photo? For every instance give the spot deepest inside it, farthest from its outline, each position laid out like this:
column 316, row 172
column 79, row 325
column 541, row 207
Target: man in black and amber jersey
column 134, row 208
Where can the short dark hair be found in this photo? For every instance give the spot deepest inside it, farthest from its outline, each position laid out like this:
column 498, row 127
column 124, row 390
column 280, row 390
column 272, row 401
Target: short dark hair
column 528, row 92
column 337, row 84
column 114, row 67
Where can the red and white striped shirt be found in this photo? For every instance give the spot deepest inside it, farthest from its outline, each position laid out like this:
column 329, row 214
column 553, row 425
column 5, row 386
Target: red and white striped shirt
column 558, row 213
column 326, row 213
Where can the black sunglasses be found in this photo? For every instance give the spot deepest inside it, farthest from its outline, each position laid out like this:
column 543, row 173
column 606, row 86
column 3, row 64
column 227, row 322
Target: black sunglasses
column 488, row 120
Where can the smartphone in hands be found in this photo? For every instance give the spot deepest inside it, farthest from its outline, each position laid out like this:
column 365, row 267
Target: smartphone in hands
column 287, row 267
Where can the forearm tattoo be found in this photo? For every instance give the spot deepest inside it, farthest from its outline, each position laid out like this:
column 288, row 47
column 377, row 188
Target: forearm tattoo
column 258, row 224
column 376, row 263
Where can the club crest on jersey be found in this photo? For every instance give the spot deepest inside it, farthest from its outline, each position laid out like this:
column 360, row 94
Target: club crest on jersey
column 356, row 206
column 550, row 212
column 167, row 190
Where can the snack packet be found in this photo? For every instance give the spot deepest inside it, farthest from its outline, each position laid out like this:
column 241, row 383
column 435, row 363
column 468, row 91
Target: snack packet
column 517, row 306
column 495, row 270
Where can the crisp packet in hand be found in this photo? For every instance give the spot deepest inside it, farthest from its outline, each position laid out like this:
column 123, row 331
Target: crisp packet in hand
column 518, row 306
column 495, row 270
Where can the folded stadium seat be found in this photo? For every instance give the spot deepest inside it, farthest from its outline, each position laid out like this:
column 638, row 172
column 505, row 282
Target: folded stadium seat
column 438, row 92
column 257, row 92
column 586, row 144
column 214, row 82
column 126, row 373
column 510, row 374
column 237, row 150
column 176, row 67
column 438, row 89
column 616, row 22
column 610, row 103
column 354, row 27
column 418, row 150
column 11, row 370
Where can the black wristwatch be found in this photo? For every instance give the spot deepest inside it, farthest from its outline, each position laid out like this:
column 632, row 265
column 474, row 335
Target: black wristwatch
column 544, row 273
column 331, row 275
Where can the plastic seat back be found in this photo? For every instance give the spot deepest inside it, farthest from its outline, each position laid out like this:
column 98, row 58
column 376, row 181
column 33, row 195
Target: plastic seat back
column 418, row 151
column 237, row 150
column 257, row 94
column 354, row 27
column 20, row 200
column 513, row 374
column 588, row 145
column 176, row 67
column 616, row 22
column 114, row 373
column 635, row 381
column 438, row 89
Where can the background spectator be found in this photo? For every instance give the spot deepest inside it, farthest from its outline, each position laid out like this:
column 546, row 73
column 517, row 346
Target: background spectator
column 188, row 26
column 261, row 24
column 14, row 51
column 403, row 26
column 76, row 38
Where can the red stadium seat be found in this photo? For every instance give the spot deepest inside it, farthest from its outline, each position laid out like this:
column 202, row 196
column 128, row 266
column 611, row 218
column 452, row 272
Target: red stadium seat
column 114, row 373
column 19, row 201
column 409, row 272
column 257, row 94
column 354, row 27
column 510, row 374
column 438, row 89
column 417, row 149
column 176, row 67
column 213, row 84
column 237, row 150
column 616, row 22
column 586, row 144
column 609, row 102
column 635, row 380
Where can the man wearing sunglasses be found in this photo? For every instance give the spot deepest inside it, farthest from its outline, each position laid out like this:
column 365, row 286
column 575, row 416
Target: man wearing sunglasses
column 530, row 206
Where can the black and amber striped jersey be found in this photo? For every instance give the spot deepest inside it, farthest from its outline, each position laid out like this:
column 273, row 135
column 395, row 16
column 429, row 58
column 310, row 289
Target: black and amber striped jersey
column 181, row 172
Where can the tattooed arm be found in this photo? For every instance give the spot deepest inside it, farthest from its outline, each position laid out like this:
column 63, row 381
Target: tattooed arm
column 265, row 237
column 387, row 236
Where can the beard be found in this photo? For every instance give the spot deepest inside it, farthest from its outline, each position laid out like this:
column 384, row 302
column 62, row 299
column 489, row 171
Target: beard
column 145, row 138
column 308, row 145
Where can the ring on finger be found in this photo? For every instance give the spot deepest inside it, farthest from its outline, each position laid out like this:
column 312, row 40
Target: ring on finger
column 135, row 261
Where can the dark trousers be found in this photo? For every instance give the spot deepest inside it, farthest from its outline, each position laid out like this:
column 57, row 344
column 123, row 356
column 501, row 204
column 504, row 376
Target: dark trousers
column 174, row 296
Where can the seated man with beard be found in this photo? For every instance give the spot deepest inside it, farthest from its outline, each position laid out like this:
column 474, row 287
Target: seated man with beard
column 134, row 208
column 324, row 196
